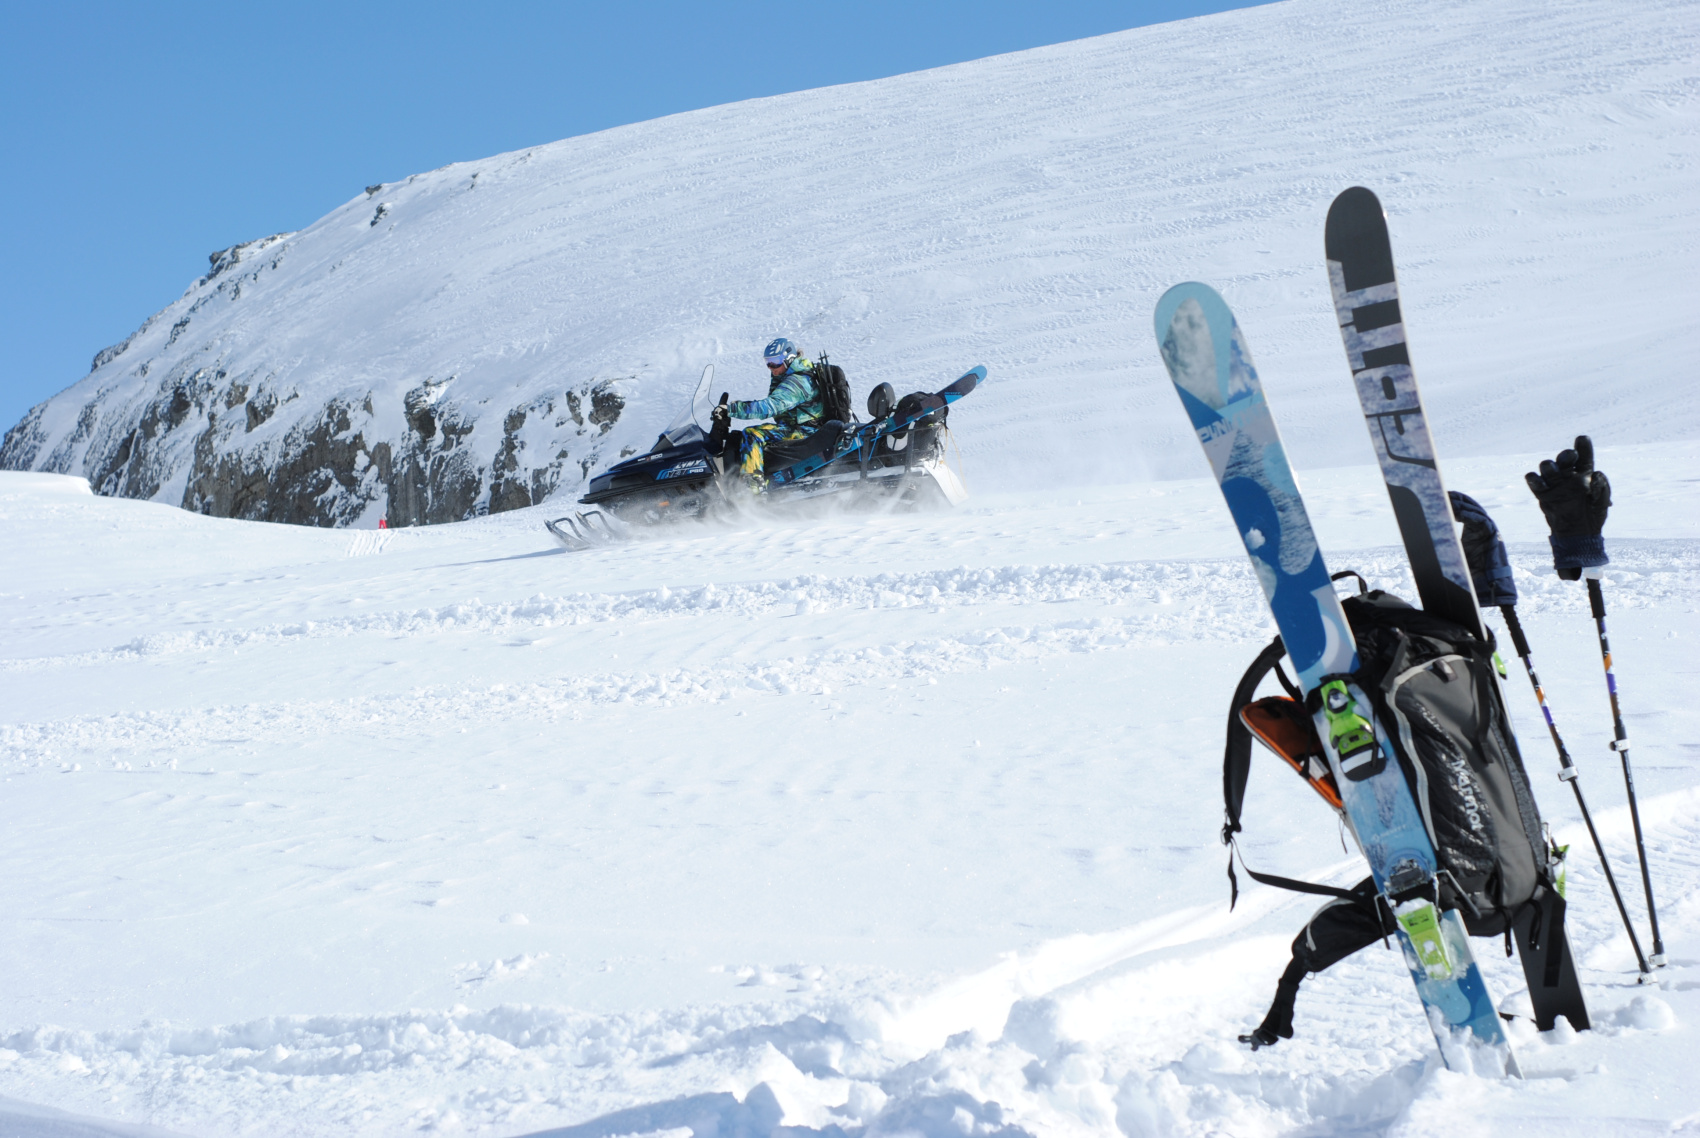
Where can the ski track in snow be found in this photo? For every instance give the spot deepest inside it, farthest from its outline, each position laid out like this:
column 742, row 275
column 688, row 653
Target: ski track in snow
column 1189, row 601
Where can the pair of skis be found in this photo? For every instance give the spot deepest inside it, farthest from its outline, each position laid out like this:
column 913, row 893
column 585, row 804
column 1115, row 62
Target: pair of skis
column 1213, row 373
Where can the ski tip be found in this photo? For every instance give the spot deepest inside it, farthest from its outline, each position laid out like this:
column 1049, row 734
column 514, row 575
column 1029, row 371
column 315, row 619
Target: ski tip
column 1355, row 237
column 973, row 378
column 1355, row 211
column 1355, row 197
column 1203, row 295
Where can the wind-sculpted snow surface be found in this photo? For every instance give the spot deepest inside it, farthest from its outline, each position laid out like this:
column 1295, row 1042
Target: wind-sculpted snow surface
column 485, row 336
column 1189, row 602
column 883, row 826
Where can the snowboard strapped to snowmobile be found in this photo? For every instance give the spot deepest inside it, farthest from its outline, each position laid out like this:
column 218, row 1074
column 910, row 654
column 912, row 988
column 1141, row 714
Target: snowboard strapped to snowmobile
column 1435, row 685
column 893, row 460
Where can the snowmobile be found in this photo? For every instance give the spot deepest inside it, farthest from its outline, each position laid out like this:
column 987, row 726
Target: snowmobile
column 893, row 460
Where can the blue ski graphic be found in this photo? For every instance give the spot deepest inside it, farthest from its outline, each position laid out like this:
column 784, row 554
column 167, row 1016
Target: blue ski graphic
column 1207, row 359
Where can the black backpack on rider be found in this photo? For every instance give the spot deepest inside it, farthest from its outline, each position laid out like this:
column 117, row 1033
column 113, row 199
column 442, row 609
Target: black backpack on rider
column 833, row 389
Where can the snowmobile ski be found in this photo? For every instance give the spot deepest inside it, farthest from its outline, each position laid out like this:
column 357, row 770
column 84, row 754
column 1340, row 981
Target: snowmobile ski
column 1366, row 304
column 583, row 529
column 1213, row 374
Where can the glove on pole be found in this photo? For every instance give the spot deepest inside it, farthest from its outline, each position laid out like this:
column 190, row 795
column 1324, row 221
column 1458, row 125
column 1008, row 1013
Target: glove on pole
column 1575, row 499
column 1490, row 571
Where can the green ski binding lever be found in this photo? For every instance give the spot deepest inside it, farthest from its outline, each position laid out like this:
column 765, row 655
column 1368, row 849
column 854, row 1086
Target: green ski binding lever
column 1349, row 733
column 1421, row 922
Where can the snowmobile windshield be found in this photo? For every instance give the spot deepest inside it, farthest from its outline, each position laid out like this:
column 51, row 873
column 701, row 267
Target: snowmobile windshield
column 687, row 428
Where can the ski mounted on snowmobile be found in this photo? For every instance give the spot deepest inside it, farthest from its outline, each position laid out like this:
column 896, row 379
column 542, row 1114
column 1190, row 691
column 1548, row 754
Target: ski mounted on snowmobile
column 896, row 457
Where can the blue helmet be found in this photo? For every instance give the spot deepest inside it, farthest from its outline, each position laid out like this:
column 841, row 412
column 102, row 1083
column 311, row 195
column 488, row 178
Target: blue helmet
column 781, row 351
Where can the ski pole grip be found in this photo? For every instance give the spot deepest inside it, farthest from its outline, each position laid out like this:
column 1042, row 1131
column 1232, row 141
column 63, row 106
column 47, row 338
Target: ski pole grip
column 1596, row 599
column 1515, row 627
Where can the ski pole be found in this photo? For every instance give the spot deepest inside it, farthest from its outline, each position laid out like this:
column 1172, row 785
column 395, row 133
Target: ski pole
column 1597, row 601
column 1568, row 773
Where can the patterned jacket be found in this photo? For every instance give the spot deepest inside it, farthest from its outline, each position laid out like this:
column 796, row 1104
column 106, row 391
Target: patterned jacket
column 792, row 400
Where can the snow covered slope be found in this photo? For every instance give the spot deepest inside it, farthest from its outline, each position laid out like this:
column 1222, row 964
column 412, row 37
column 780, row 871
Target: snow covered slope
column 890, row 825
column 484, row 336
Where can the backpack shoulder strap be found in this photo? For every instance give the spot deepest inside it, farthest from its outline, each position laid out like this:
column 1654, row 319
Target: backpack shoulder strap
column 1236, row 759
column 1236, row 769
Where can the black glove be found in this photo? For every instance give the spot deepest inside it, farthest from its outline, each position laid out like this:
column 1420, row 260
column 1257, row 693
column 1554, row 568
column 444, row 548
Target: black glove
column 1574, row 497
column 719, row 425
column 1490, row 568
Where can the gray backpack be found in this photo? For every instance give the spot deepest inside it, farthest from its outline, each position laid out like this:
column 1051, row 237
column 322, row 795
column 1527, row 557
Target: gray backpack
column 1434, row 687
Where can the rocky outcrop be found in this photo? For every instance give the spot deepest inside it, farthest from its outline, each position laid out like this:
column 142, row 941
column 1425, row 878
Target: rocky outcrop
column 248, row 445
column 331, row 468
column 353, row 372
column 333, row 465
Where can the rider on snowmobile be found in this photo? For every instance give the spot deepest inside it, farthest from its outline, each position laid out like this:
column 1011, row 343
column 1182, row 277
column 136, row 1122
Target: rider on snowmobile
column 793, row 403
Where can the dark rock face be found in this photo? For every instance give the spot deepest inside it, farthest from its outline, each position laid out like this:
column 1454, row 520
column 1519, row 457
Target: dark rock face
column 434, row 478
column 325, row 474
column 24, row 441
column 514, row 484
column 329, row 466
column 236, row 440
column 135, row 463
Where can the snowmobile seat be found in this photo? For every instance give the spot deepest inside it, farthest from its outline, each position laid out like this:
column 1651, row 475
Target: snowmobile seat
column 881, row 400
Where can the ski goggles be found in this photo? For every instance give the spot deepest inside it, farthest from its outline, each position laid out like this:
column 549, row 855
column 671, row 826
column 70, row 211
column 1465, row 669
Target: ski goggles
column 777, row 361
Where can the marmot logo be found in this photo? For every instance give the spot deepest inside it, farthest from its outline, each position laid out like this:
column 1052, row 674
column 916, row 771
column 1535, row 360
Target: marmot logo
column 1464, row 786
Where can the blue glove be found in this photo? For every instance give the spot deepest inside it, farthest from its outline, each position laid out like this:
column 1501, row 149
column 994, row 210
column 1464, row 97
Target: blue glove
column 1484, row 552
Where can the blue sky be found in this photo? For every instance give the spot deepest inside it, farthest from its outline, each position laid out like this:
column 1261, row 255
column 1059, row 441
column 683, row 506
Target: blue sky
column 139, row 137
